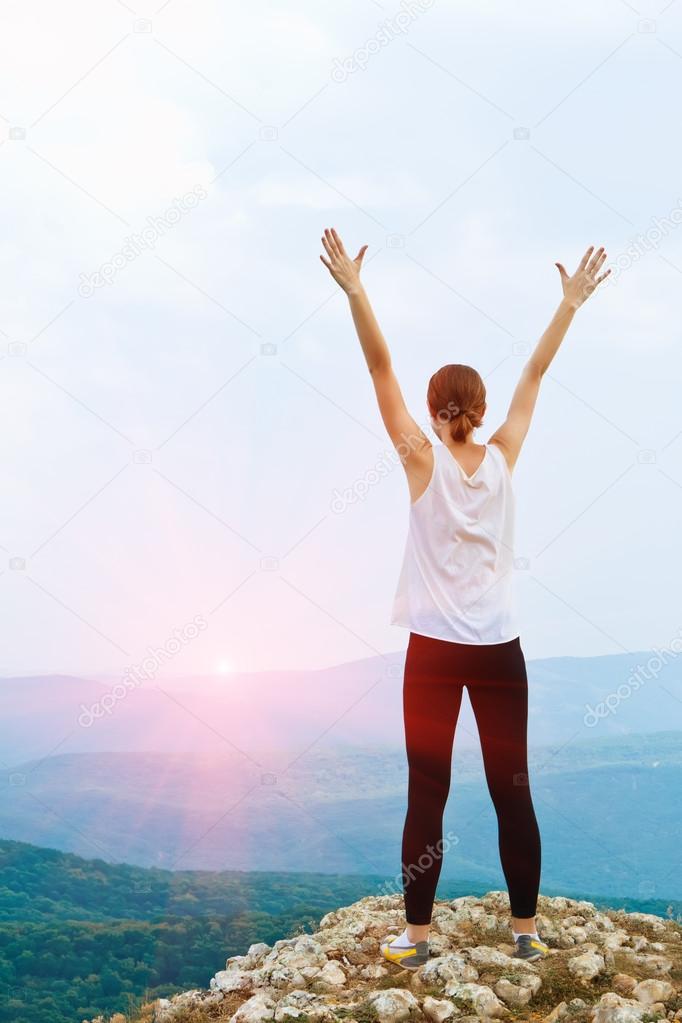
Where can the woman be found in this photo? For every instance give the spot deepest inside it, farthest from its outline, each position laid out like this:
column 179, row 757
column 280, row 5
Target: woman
column 454, row 595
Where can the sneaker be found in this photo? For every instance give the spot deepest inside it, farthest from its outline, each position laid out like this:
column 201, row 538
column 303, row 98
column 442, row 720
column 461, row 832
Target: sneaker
column 529, row 948
column 409, row 957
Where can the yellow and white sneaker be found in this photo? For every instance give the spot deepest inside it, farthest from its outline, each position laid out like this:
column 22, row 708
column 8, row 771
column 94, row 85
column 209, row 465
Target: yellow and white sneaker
column 408, row 957
column 529, row 948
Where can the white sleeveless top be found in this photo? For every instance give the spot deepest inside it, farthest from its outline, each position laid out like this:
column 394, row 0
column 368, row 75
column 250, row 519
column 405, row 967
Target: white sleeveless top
column 457, row 572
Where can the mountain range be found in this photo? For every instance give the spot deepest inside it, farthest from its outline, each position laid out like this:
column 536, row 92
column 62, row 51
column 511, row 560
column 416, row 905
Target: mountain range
column 353, row 704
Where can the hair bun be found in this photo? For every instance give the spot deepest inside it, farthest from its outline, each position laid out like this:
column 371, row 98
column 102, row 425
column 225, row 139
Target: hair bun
column 456, row 397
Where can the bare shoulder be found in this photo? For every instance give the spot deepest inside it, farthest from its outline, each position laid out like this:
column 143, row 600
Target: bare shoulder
column 497, row 442
column 419, row 464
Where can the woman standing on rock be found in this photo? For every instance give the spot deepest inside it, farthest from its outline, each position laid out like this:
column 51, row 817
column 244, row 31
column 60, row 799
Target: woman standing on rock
column 454, row 595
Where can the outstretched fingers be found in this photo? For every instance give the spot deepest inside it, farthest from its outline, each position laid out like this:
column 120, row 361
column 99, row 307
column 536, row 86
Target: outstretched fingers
column 327, row 246
column 338, row 242
column 600, row 263
column 596, row 261
column 331, row 242
column 584, row 261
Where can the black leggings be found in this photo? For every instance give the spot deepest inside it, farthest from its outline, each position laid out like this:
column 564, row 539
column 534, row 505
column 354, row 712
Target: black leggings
column 436, row 672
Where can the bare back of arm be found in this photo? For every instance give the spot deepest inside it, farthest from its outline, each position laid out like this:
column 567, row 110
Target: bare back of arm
column 577, row 288
column 410, row 441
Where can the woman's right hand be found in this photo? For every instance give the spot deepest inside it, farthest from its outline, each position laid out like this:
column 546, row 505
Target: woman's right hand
column 344, row 270
column 579, row 286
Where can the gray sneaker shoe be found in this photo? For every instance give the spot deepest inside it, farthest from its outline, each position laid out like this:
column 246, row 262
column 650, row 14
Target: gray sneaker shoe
column 409, row 957
column 529, row 948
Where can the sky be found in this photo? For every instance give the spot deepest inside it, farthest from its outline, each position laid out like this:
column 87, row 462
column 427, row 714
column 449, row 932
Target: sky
column 184, row 398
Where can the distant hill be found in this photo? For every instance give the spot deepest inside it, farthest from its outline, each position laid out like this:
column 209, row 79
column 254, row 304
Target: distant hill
column 80, row 937
column 606, row 810
column 354, row 704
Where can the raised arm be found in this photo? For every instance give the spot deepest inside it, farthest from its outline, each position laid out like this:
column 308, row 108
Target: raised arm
column 577, row 288
column 410, row 441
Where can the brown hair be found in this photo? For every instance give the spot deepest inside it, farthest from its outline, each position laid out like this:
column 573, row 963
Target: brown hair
column 456, row 395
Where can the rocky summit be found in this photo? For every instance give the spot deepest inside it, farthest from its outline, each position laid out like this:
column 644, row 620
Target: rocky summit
column 604, row 967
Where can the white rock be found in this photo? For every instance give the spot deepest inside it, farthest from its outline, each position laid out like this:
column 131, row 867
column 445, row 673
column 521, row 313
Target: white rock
column 654, row 922
column 281, row 977
column 482, row 999
column 448, row 924
column 373, row 971
column 442, row 944
column 460, row 918
column 611, row 1008
column 650, row 991
column 283, row 943
column 559, row 903
column 437, row 1009
column 573, row 921
column 235, row 962
column 167, row 1010
column 256, row 1009
column 331, row 975
column 497, row 901
column 289, row 1013
column 586, row 966
column 258, row 950
column 616, row 939
column 579, row 934
column 547, row 929
column 446, row 920
column 512, row 994
column 393, row 1004
column 293, row 963
column 652, row 964
column 232, row 980
column 162, row 1012
column 484, row 955
column 446, row 969
column 464, row 900
column 298, row 1003
column 524, row 975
